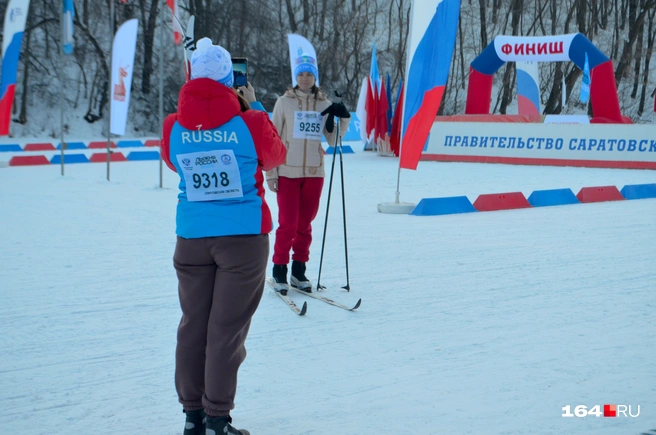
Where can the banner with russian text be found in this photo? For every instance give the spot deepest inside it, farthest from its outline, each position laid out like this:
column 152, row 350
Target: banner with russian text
column 15, row 18
column 565, row 144
column 123, row 51
column 533, row 48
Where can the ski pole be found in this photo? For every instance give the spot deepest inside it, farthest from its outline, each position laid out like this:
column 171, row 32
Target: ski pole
column 325, row 225
column 341, row 168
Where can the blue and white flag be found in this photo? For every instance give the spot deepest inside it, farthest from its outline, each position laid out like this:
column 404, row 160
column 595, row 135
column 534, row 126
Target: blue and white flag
column 67, row 26
column 585, row 83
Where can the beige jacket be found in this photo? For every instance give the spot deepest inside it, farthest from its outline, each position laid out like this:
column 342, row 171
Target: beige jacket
column 304, row 156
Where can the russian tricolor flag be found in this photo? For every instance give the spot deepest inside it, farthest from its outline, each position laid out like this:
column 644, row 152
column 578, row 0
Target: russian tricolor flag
column 432, row 40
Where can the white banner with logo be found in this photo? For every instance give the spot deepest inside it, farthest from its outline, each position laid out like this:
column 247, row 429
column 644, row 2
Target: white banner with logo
column 533, row 48
column 123, row 51
column 298, row 45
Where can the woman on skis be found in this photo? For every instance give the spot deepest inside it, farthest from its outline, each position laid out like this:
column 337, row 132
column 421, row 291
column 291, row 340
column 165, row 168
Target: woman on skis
column 299, row 181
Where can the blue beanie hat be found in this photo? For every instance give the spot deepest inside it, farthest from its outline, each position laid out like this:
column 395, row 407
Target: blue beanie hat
column 212, row 62
column 306, row 63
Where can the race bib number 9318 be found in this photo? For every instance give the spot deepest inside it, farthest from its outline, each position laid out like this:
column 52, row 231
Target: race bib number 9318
column 211, row 175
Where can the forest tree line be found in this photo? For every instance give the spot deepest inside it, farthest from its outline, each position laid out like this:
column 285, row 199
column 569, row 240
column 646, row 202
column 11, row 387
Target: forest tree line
column 342, row 32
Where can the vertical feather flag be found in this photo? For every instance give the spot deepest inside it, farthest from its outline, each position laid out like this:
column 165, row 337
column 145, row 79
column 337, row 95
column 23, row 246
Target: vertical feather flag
column 432, row 40
column 67, row 26
column 395, row 132
column 298, row 48
column 372, row 97
column 15, row 18
column 563, row 95
column 389, row 103
column 123, row 52
column 361, row 111
column 381, row 114
column 175, row 12
column 585, row 82
column 374, row 75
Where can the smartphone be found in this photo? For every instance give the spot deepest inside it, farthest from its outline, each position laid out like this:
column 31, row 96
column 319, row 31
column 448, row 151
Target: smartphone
column 240, row 71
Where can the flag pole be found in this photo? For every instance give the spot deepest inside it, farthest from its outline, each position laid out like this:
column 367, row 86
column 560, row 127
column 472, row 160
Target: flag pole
column 398, row 207
column 62, row 145
column 161, row 92
column 109, row 81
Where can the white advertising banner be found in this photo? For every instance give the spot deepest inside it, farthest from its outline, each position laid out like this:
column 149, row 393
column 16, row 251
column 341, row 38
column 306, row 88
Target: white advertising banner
column 123, row 51
column 533, row 48
column 592, row 145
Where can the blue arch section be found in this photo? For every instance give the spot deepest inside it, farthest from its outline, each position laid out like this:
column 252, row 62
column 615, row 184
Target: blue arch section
column 488, row 62
column 639, row 191
column 441, row 206
column 582, row 45
column 543, row 198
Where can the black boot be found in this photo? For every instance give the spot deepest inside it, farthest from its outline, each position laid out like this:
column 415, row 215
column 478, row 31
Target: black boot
column 221, row 426
column 195, row 423
column 280, row 278
column 299, row 279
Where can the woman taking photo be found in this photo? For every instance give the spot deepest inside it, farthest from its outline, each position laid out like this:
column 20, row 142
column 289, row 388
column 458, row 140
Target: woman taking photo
column 219, row 148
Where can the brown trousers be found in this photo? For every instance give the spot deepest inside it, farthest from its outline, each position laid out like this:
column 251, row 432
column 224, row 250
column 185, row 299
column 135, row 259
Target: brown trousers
column 221, row 281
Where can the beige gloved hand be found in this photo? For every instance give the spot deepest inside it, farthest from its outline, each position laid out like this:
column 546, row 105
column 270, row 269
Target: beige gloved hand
column 273, row 184
column 248, row 92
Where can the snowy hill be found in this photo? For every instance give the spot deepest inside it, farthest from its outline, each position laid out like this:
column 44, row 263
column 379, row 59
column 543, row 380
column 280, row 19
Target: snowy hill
column 483, row 323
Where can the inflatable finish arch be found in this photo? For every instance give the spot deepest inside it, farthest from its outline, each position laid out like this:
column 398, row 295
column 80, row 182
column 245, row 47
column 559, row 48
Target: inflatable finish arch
column 603, row 91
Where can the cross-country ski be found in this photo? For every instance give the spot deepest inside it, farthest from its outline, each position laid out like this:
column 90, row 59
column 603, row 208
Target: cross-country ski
column 320, row 297
column 287, row 300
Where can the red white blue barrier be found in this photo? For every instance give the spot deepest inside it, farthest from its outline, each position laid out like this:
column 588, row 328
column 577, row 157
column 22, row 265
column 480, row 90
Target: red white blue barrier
column 539, row 198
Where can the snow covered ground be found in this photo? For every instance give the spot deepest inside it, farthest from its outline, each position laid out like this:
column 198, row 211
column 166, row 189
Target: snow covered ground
column 482, row 323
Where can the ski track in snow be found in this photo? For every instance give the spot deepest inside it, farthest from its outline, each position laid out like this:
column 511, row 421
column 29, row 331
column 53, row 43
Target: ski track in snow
column 483, row 323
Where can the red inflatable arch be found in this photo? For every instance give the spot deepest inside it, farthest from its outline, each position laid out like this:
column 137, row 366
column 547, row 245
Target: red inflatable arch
column 574, row 47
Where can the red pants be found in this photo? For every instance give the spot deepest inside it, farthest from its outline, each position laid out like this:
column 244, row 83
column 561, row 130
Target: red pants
column 298, row 204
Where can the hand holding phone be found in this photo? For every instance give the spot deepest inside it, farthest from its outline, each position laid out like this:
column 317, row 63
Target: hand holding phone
column 248, row 92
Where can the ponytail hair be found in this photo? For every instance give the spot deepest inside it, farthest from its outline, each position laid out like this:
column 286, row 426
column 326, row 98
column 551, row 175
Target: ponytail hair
column 244, row 105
